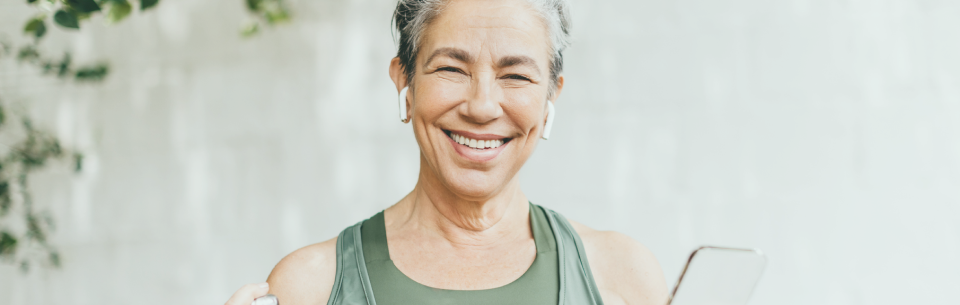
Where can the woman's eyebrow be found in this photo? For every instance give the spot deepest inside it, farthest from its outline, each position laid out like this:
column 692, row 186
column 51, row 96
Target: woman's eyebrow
column 518, row 60
column 457, row 54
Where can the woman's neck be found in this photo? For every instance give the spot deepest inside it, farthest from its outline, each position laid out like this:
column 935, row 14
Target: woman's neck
column 432, row 209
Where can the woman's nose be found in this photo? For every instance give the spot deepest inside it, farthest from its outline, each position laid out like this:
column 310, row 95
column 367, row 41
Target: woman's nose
column 483, row 104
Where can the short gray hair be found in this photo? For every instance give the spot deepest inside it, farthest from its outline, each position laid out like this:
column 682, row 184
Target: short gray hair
column 411, row 18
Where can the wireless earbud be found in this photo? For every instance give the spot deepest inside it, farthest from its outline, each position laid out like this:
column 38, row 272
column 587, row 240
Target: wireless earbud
column 403, row 104
column 549, row 124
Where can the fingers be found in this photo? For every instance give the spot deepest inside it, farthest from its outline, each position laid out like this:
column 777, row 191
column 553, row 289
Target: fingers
column 246, row 294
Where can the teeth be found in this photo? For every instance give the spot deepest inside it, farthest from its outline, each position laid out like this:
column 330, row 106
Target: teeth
column 476, row 144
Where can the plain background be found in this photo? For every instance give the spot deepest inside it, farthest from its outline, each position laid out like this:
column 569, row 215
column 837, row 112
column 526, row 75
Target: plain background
column 824, row 132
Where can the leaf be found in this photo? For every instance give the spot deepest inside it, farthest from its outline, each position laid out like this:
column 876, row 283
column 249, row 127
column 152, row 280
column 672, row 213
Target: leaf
column 31, row 1
column 5, row 200
column 8, row 244
column 274, row 11
column 117, row 11
column 34, row 230
column 66, row 19
column 64, row 66
column 83, row 6
column 36, row 27
column 92, row 74
column 277, row 16
column 28, row 53
column 253, row 5
column 55, row 259
column 77, row 163
column 145, row 4
column 47, row 66
column 250, row 29
column 34, row 151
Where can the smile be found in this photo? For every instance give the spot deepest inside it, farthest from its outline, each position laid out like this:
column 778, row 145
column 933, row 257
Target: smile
column 477, row 147
column 476, row 144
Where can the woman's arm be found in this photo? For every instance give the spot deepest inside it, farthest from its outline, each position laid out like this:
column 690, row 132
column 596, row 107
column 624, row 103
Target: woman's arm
column 305, row 277
column 626, row 272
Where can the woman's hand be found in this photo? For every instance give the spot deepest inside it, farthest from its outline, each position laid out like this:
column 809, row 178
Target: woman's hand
column 246, row 294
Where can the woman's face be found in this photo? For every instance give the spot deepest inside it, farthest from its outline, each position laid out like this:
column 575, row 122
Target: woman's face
column 482, row 79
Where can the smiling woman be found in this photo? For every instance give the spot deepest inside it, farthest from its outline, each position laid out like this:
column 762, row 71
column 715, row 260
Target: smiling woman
column 477, row 80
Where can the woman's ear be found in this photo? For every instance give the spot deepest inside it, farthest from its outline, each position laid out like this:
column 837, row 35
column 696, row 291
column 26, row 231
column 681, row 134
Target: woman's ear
column 397, row 74
column 400, row 80
column 551, row 111
column 556, row 92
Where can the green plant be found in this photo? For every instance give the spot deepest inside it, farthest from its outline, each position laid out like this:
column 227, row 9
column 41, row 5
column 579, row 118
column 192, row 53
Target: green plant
column 23, row 228
column 271, row 12
column 70, row 13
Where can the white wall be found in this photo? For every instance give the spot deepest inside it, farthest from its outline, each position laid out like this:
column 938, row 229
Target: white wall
column 824, row 132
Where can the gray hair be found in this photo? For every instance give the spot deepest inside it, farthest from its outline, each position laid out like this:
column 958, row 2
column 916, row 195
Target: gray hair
column 412, row 17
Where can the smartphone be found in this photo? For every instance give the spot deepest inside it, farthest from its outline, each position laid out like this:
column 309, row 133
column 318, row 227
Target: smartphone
column 719, row 276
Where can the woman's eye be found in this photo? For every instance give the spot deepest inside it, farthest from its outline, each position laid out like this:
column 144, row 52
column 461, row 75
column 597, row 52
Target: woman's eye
column 450, row 69
column 517, row 77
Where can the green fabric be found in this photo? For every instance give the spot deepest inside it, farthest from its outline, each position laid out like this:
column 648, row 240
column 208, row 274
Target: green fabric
column 356, row 284
column 351, row 284
column 540, row 284
column 576, row 280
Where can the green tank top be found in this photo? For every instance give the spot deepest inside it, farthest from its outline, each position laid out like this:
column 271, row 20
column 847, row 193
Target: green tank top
column 559, row 273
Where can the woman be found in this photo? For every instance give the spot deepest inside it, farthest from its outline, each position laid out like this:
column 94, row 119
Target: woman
column 477, row 80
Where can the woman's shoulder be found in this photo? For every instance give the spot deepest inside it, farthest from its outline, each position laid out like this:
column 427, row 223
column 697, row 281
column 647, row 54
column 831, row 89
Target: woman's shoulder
column 306, row 275
column 626, row 272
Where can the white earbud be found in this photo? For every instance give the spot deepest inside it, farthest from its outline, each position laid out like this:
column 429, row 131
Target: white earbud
column 403, row 104
column 549, row 124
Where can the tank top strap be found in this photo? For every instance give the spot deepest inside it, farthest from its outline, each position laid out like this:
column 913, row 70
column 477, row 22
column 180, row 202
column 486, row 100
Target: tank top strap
column 576, row 281
column 351, row 284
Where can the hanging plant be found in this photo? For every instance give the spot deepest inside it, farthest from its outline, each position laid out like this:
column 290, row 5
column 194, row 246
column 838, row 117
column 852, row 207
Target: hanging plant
column 23, row 228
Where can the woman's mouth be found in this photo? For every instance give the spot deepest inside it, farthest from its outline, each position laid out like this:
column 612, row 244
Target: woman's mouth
column 474, row 143
column 475, row 147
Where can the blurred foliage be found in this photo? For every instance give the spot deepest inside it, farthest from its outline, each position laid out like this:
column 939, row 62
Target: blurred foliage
column 70, row 13
column 24, row 229
column 271, row 12
column 63, row 67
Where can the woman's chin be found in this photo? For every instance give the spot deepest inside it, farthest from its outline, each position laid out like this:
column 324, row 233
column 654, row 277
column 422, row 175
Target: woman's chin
column 475, row 185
